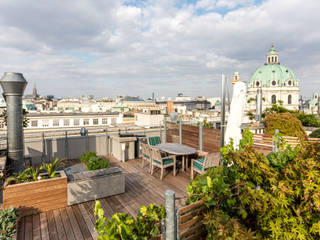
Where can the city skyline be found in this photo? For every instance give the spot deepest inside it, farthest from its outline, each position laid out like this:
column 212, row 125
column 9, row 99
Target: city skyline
column 114, row 48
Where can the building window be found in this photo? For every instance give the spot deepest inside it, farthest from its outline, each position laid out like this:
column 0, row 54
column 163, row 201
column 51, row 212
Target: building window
column 257, row 83
column 34, row 123
column 273, row 99
column 104, row 121
column 86, row 121
column 76, row 122
column 289, row 99
column 56, row 122
column 66, row 122
column 45, row 123
column 274, row 83
column 289, row 83
column 272, row 59
column 95, row 121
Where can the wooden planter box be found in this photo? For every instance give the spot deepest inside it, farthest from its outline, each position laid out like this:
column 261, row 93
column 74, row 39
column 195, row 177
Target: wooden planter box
column 38, row 196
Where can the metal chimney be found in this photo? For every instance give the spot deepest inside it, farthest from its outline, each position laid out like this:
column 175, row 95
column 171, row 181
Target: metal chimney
column 13, row 85
column 259, row 105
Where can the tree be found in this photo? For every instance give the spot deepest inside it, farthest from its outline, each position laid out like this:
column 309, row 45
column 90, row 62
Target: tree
column 24, row 113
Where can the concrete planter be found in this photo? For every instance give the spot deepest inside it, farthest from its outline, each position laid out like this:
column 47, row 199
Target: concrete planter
column 90, row 185
column 38, row 196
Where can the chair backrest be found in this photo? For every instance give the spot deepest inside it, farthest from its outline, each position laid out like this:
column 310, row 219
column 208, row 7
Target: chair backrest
column 156, row 154
column 153, row 141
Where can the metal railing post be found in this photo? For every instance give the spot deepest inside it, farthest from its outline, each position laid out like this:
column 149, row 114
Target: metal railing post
column 223, row 108
column 107, row 143
column 200, row 136
column 180, row 131
column 171, row 230
column 165, row 130
column 275, row 141
column 43, row 148
column 66, row 145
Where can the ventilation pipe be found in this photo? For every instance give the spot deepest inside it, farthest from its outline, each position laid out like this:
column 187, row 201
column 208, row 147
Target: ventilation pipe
column 13, row 85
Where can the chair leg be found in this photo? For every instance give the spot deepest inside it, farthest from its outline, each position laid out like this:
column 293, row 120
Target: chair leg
column 174, row 170
column 192, row 171
column 151, row 168
column 142, row 163
column 161, row 176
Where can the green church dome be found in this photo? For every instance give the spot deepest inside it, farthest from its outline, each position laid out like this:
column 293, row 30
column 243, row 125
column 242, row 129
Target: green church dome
column 273, row 74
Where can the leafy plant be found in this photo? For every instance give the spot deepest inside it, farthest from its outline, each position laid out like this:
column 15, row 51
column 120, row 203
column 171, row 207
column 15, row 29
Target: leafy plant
column 124, row 226
column 315, row 134
column 287, row 124
column 254, row 196
column 87, row 156
column 94, row 162
column 52, row 168
column 8, row 222
column 31, row 174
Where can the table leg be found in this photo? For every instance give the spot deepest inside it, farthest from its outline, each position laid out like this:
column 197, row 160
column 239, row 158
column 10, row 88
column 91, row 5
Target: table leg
column 183, row 160
column 187, row 163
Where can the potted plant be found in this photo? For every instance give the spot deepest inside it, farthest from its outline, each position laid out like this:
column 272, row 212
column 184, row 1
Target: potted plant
column 36, row 189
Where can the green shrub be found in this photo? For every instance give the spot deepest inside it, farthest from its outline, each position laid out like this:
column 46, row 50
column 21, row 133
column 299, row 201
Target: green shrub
column 287, row 124
column 86, row 156
column 8, row 223
column 308, row 120
column 315, row 134
column 253, row 196
column 124, row 226
column 94, row 162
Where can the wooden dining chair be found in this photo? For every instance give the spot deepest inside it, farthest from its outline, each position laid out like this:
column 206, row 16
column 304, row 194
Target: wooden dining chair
column 162, row 162
column 203, row 161
column 153, row 141
column 146, row 155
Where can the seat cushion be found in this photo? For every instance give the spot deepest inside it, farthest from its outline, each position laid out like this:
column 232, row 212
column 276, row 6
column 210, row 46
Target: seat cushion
column 197, row 166
column 165, row 161
column 200, row 160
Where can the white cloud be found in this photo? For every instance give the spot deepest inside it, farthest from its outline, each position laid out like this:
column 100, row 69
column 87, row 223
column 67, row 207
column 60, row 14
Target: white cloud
column 138, row 48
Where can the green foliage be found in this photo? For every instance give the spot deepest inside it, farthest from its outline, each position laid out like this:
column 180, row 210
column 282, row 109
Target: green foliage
column 287, row 124
column 205, row 124
column 315, row 134
column 220, row 227
column 86, row 156
column 4, row 115
column 33, row 174
column 8, row 222
column 124, row 226
column 308, row 120
column 250, row 115
column 94, row 162
column 256, row 197
column 51, row 168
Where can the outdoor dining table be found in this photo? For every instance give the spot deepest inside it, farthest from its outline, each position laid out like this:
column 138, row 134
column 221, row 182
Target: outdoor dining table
column 177, row 149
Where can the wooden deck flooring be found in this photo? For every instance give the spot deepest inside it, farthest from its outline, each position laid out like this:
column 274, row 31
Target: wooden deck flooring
column 77, row 222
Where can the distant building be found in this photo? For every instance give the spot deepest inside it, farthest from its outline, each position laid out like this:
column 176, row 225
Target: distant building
column 278, row 83
column 49, row 121
column 34, row 91
column 149, row 118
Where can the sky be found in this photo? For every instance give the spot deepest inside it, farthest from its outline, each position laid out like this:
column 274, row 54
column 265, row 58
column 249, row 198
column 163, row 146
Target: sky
column 108, row 48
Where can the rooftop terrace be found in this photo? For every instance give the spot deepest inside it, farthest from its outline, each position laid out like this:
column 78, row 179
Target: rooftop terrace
column 77, row 221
